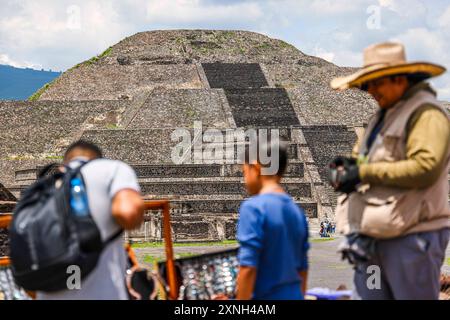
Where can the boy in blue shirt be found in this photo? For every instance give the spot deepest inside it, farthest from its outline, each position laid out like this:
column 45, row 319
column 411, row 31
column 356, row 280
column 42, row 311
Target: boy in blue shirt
column 272, row 231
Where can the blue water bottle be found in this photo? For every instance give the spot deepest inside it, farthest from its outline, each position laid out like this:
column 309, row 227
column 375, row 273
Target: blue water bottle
column 78, row 198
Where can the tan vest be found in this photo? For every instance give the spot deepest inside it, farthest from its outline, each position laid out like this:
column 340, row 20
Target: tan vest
column 386, row 212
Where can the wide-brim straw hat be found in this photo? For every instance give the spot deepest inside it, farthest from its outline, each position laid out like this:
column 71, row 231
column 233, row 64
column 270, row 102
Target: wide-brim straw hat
column 383, row 60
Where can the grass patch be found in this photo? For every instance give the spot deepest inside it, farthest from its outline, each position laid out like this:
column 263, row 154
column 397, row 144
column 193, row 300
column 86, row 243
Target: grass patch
column 265, row 46
column 149, row 259
column 191, row 113
column 227, row 34
column 187, row 244
column 448, row 261
column 93, row 60
column 321, row 240
column 35, row 96
column 54, row 157
column 184, row 255
column 284, row 44
column 104, row 54
column 112, row 126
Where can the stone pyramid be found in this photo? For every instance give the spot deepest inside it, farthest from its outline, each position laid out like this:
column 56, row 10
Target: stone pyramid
column 132, row 97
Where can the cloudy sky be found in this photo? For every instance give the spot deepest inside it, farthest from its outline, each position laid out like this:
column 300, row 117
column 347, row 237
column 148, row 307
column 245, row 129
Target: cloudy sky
column 57, row 34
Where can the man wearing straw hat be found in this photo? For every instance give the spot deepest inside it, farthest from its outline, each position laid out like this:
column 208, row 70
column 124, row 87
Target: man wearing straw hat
column 394, row 207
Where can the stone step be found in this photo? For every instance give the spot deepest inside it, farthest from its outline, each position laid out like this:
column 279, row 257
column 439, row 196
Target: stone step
column 187, row 227
column 261, row 107
column 232, row 184
column 194, row 227
column 228, row 179
column 208, row 152
column 327, row 142
column 143, row 146
column 294, row 169
column 223, row 204
column 216, row 206
column 235, row 75
column 162, row 189
column 7, row 206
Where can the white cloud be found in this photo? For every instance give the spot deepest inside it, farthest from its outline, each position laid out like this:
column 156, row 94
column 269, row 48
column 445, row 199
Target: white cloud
column 425, row 44
column 405, row 8
column 49, row 33
column 333, row 6
column 444, row 19
column 429, row 45
column 345, row 58
column 191, row 11
column 322, row 53
column 60, row 34
column 5, row 59
column 348, row 58
column 44, row 31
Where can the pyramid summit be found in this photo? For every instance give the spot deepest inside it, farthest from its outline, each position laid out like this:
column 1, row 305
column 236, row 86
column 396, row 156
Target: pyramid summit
column 131, row 98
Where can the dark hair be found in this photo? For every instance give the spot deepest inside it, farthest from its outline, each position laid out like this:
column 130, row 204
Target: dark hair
column 416, row 78
column 265, row 149
column 413, row 79
column 84, row 145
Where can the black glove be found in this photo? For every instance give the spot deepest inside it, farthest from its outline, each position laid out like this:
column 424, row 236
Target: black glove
column 344, row 174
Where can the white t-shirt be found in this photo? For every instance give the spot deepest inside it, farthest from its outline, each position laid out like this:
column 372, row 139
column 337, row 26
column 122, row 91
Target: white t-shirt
column 103, row 179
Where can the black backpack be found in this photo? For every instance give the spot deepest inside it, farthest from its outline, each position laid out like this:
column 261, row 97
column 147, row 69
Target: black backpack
column 46, row 237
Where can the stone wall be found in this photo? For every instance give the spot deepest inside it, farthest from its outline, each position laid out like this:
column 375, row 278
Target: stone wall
column 322, row 106
column 149, row 146
column 9, row 167
column 326, row 143
column 143, row 146
column 41, row 130
column 93, row 82
column 5, row 195
column 180, row 108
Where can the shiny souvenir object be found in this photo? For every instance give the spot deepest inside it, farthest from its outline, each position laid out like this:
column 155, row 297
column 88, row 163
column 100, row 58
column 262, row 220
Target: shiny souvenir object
column 206, row 276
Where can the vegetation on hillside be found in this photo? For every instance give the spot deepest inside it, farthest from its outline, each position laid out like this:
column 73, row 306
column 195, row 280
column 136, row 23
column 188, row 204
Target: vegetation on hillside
column 35, row 96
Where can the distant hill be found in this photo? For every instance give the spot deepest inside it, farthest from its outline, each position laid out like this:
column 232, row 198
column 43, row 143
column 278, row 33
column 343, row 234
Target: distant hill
column 19, row 84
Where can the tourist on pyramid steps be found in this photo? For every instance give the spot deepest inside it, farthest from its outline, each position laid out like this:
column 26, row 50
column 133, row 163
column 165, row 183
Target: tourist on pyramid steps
column 394, row 209
column 330, row 228
column 272, row 232
column 115, row 203
column 322, row 230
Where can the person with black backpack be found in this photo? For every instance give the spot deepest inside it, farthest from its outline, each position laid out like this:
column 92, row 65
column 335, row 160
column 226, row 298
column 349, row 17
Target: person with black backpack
column 66, row 234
